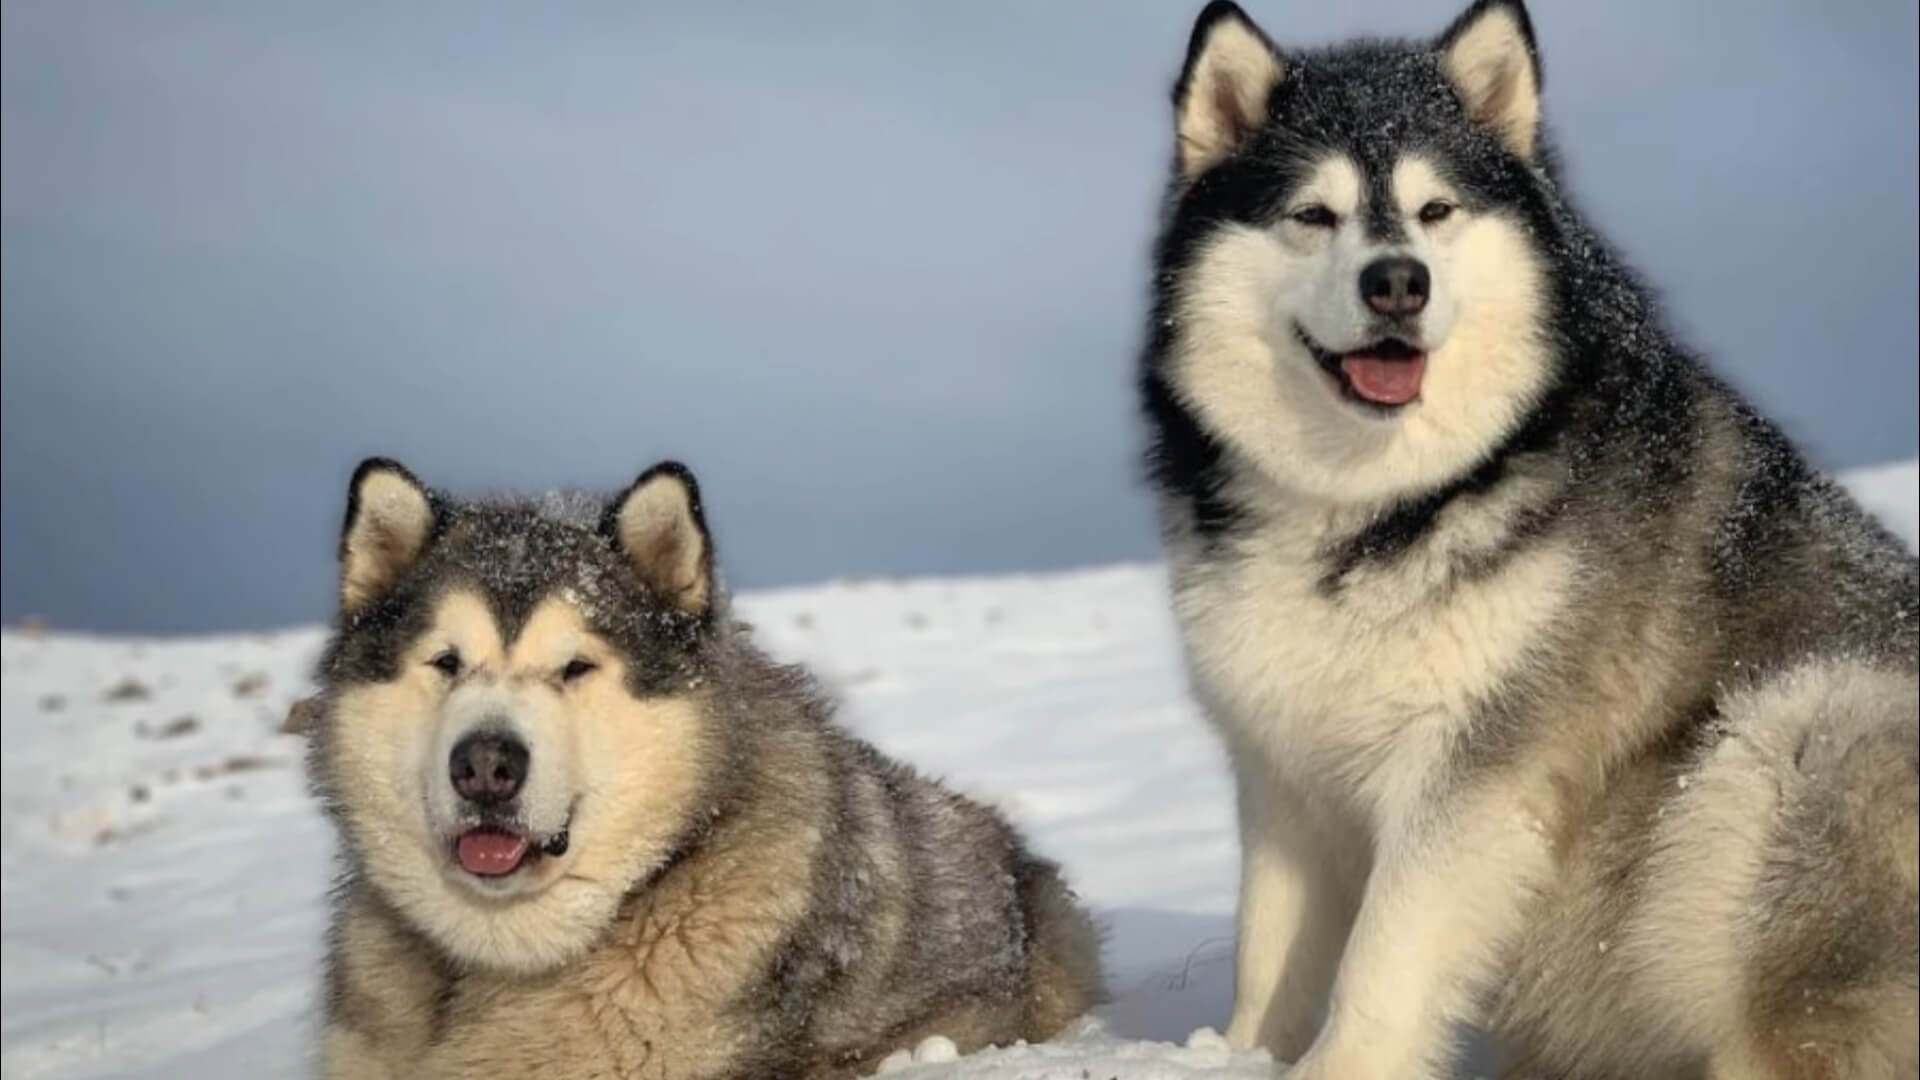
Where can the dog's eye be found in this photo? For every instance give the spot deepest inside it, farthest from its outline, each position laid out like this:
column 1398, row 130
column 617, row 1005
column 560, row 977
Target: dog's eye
column 576, row 668
column 447, row 663
column 1435, row 212
column 1315, row 217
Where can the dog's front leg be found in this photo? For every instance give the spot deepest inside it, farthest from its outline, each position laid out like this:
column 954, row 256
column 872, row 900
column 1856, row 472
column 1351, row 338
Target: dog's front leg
column 347, row 1054
column 1300, row 875
column 1448, row 888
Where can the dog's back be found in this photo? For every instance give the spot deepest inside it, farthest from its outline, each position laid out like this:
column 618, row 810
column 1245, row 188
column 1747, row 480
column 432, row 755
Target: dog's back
column 926, row 916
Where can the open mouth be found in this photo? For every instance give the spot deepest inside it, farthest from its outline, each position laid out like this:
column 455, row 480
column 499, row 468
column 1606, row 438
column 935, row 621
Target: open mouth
column 1384, row 376
column 495, row 851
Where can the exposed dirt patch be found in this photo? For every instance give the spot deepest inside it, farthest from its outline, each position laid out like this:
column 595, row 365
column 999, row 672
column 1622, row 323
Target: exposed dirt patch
column 238, row 763
column 128, row 689
column 172, row 729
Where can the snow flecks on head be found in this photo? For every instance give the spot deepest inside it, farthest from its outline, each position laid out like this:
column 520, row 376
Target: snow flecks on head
column 575, row 509
column 519, row 553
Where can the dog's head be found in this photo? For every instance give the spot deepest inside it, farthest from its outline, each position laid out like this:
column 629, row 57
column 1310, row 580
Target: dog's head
column 1351, row 292
column 512, row 731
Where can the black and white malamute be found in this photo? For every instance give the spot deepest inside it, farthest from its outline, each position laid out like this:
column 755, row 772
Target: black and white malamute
column 1563, row 695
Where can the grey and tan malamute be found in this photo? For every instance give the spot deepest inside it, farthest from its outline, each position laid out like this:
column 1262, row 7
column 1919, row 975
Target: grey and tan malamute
column 1563, row 695
column 590, row 831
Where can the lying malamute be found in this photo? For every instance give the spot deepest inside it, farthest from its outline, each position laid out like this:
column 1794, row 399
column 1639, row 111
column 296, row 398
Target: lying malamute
column 590, row 831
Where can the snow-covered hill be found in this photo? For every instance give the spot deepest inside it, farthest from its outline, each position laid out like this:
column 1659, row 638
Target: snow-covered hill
column 162, row 873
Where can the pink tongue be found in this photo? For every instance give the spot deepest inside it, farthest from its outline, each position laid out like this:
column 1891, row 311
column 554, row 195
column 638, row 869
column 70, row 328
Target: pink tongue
column 491, row 852
column 1385, row 381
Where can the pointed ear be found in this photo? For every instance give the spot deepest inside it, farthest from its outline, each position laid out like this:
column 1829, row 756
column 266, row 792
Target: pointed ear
column 1490, row 56
column 1221, row 98
column 658, row 525
column 389, row 519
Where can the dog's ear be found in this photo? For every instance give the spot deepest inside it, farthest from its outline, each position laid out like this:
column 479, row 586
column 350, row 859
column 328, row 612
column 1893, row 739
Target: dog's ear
column 658, row 526
column 389, row 519
column 1221, row 98
column 1490, row 55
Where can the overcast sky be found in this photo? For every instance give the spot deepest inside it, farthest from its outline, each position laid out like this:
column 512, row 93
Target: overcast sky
column 873, row 270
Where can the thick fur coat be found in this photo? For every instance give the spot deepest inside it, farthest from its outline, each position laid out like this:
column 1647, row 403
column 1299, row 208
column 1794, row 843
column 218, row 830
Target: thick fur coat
column 589, row 830
column 1563, row 695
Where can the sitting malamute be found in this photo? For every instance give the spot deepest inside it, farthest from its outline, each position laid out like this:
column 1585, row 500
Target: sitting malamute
column 590, row 831
column 1561, row 692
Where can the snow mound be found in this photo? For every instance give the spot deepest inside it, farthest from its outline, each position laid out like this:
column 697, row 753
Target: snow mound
column 1892, row 493
column 163, row 873
column 1083, row 1053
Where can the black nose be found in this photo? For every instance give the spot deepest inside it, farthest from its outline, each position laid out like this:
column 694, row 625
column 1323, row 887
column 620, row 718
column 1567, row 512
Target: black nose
column 488, row 767
column 1395, row 285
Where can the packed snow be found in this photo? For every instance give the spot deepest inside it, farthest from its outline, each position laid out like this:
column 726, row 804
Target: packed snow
column 163, row 873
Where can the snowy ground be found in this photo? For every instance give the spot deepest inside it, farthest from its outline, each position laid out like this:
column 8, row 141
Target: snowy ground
column 162, row 873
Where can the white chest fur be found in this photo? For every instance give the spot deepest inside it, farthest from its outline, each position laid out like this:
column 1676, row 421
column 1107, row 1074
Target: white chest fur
column 1366, row 686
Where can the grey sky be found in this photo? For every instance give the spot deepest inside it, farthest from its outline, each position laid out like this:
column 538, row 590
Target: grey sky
column 873, row 270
